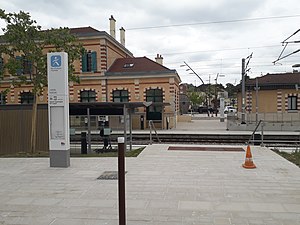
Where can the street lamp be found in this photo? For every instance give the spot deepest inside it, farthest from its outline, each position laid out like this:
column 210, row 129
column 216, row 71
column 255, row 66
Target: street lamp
column 189, row 68
column 193, row 72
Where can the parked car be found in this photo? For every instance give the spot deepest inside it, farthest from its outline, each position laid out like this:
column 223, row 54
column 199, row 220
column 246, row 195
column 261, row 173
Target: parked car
column 229, row 109
column 202, row 109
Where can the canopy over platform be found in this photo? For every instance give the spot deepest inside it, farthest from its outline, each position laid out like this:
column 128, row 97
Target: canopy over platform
column 108, row 108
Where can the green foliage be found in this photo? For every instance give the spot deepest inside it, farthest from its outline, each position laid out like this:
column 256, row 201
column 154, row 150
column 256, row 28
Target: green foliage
column 23, row 37
column 196, row 98
column 293, row 157
column 132, row 153
column 232, row 90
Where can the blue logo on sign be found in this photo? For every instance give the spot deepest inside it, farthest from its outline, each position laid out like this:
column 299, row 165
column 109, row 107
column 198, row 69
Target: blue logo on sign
column 55, row 61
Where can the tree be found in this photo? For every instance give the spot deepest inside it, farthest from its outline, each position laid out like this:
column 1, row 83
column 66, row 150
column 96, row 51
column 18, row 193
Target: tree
column 196, row 98
column 232, row 90
column 26, row 46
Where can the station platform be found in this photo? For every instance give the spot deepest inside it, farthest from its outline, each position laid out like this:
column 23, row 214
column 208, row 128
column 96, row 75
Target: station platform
column 163, row 187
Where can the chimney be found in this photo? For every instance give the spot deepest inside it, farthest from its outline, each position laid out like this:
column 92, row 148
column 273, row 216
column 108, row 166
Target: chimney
column 122, row 36
column 159, row 59
column 112, row 23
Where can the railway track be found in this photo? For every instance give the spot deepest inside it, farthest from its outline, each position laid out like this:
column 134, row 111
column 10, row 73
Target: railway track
column 233, row 139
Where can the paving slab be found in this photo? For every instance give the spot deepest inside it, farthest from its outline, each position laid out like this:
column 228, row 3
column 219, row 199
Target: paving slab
column 162, row 187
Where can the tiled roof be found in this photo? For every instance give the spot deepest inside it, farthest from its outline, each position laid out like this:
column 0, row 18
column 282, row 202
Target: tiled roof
column 276, row 79
column 136, row 65
column 86, row 31
column 79, row 32
column 83, row 30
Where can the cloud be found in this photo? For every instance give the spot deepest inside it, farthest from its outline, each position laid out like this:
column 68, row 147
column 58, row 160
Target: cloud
column 210, row 48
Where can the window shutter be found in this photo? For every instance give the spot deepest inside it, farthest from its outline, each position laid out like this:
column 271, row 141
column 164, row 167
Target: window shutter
column 1, row 63
column 29, row 66
column 94, row 61
column 19, row 66
column 84, row 62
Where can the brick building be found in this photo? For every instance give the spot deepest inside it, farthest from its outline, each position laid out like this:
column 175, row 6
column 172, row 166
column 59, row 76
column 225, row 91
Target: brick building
column 276, row 93
column 109, row 72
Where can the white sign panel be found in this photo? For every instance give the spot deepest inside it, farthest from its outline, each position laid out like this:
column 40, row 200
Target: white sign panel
column 58, row 101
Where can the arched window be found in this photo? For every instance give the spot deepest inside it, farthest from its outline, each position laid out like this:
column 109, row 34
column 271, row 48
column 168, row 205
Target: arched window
column 154, row 112
column 87, row 96
column 26, row 98
column 120, row 96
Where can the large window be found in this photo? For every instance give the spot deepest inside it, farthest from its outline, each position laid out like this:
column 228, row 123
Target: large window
column 89, row 62
column 292, row 103
column 26, row 98
column 120, row 96
column 24, row 65
column 88, row 96
column 154, row 112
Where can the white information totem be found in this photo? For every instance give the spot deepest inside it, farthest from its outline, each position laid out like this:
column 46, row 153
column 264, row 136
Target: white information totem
column 58, row 109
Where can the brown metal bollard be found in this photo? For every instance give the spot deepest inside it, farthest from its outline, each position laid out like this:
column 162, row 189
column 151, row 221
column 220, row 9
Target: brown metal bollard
column 121, row 180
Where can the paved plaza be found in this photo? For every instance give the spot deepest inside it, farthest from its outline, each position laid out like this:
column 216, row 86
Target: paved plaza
column 162, row 187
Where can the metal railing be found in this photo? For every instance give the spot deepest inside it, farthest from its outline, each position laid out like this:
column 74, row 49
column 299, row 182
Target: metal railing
column 152, row 127
column 252, row 136
column 278, row 117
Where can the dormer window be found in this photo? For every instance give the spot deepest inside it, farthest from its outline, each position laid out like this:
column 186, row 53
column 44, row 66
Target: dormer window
column 128, row 65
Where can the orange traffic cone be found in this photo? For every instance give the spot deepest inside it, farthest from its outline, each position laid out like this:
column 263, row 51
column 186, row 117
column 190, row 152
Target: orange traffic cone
column 248, row 161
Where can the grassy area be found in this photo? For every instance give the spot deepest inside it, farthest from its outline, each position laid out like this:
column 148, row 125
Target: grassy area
column 25, row 155
column 133, row 153
column 293, row 157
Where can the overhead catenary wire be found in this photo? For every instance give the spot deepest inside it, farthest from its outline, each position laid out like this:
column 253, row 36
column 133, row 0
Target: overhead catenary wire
column 228, row 66
column 213, row 22
column 285, row 44
column 220, row 50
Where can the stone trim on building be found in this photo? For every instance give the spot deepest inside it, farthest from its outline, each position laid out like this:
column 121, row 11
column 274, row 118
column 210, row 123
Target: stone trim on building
column 103, row 91
column 119, row 89
column 286, row 100
column 136, row 89
column 103, row 57
column 12, row 93
column 249, row 101
column 71, row 91
column 154, row 87
column 279, row 101
column 86, row 89
column 22, row 91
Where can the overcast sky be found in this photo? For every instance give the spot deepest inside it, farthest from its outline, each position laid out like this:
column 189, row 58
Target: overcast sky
column 211, row 36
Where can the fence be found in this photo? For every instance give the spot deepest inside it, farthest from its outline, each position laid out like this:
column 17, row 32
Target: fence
column 279, row 117
column 281, row 121
column 15, row 128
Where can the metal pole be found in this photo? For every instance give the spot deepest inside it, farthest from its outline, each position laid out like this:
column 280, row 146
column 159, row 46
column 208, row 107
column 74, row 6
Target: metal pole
column 256, row 100
column 150, row 128
column 125, row 125
column 121, row 180
column 130, row 129
column 243, row 91
column 89, row 131
column 262, row 134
